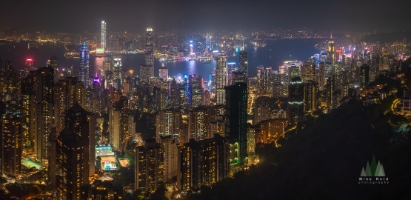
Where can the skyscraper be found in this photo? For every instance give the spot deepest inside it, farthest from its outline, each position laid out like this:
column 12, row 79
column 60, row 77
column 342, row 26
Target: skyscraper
column 149, row 56
column 44, row 120
column 53, row 64
column 364, row 76
column 149, row 166
column 243, row 63
column 146, row 71
column 67, row 92
column 103, row 39
column 221, row 79
column 69, row 165
column 84, row 65
column 236, row 117
column 331, row 50
column 202, row 162
column 117, row 79
column 11, row 144
column 310, row 96
column 295, row 108
column 308, row 71
column 163, row 73
column 195, row 91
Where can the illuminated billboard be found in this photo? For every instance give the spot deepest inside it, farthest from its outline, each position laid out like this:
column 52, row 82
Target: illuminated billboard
column 100, row 51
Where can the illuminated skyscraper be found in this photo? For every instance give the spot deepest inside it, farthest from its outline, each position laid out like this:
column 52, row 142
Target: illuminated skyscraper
column 68, row 92
column 149, row 57
column 310, row 96
column 308, row 71
column 331, row 50
column 84, row 65
column 236, row 118
column 44, row 120
column 168, row 122
column 103, row 39
column 198, row 123
column 149, row 166
column 11, row 144
column 195, row 91
column 70, row 159
column 203, row 162
column 117, row 67
column 163, row 73
column 221, row 79
column 146, row 71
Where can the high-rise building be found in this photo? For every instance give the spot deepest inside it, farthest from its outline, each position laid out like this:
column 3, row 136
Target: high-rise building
column 149, row 166
column 168, row 122
column 53, row 64
column 121, row 123
column 236, row 117
column 221, row 79
column 149, row 47
column 308, row 71
column 321, row 76
column 28, row 109
column 84, row 65
column 68, row 92
column 8, row 82
column 271, row 130
column 203, row 162
column 310, row 96
column 170, row 146
column 69, row 166
column 117, row 80
column 146, row 71
column 163, row 73
column 262, row 109
column 195, row 91
column 364, row 76
column 44, row 119
column 11, row 144
column 80, row 122
column 198, row 123
column 243, row 63
column 295, row 108
column 103, row 39
column 331, row 50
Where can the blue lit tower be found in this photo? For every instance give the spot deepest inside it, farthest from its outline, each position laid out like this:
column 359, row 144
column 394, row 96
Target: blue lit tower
column 149, row 56
column 208, row 43
column 236, row 118
column 84, row 65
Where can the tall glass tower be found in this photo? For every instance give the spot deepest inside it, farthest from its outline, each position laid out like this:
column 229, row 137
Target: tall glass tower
column 84, row 65
column 149, row 57
column 103, row 35
column 243, row 62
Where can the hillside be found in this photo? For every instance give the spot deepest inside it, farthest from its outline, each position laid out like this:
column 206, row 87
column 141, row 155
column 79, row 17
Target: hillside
column 324, row 160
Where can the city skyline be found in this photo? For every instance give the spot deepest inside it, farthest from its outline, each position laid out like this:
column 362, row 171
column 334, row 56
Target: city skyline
column 259, row 113
column 135, row 16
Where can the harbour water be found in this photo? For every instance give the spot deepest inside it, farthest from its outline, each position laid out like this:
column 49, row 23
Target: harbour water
column 272, row 55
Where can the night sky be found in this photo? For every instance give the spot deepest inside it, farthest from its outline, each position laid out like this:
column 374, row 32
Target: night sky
column 126, row 15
